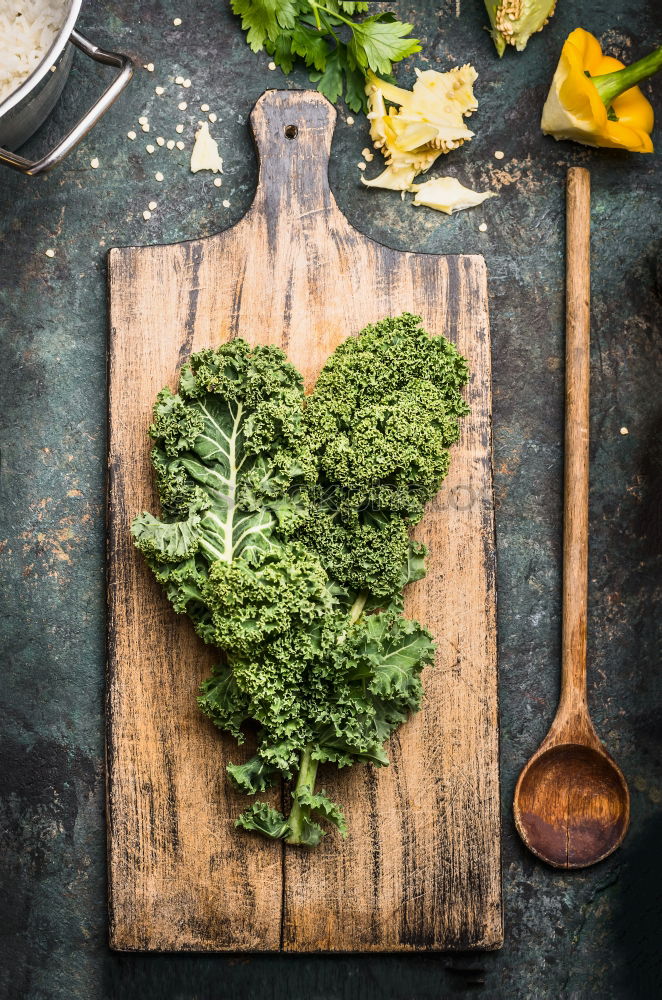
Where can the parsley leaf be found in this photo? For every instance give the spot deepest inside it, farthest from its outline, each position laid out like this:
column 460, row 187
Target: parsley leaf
column 330, row 81
column 311, row 46
column 379, row 41
column 264, row 20
column 336, row 49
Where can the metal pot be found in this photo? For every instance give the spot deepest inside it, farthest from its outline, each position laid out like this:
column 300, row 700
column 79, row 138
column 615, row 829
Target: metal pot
column 29, row 105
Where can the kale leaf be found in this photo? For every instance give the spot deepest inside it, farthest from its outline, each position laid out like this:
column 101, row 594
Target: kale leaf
column 284, row 536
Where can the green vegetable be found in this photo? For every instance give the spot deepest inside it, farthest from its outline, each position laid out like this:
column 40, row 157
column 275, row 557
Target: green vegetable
column 285, row 537
column 337, row 50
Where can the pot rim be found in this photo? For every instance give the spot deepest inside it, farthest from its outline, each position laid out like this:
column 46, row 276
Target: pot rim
column 48, row 60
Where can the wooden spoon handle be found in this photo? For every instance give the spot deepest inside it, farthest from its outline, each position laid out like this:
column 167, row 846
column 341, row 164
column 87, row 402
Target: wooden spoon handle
column 577, row 376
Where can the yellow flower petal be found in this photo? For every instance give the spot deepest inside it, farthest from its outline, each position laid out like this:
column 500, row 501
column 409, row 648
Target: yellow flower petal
column 574, row 108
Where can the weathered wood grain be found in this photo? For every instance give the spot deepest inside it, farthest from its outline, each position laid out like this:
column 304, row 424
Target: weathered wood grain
column 421, row 867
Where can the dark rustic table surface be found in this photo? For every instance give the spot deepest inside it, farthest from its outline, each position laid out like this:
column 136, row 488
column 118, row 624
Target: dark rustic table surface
column 585, row 934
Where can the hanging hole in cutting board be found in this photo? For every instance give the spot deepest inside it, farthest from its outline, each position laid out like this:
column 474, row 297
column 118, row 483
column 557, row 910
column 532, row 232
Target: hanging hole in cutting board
column 291, row 131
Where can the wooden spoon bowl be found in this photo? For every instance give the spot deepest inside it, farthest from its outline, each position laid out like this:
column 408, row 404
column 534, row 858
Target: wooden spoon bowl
column 572, row 805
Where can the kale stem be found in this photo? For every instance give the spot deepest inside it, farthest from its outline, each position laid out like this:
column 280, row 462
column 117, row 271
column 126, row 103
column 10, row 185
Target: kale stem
column 611, row 85
column 307, row 775
column 358, row 606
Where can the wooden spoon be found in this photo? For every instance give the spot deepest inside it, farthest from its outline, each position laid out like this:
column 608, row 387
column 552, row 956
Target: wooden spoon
column 572, row 805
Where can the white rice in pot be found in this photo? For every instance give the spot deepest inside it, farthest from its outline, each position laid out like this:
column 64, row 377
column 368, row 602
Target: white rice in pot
column 28, row 28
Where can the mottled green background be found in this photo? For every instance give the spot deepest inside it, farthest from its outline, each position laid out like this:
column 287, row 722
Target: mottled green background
column 588, row 934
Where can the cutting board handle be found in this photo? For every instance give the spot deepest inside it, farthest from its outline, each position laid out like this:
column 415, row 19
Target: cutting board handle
column 292, row 131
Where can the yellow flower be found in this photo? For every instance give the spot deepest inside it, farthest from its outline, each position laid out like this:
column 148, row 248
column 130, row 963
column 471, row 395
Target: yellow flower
column 593, row 98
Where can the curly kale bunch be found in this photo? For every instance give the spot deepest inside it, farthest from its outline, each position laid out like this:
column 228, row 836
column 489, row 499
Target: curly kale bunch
column 285, row 537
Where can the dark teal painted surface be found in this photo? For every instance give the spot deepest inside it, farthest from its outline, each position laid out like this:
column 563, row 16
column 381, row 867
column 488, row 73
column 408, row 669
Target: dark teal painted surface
column 588, row 934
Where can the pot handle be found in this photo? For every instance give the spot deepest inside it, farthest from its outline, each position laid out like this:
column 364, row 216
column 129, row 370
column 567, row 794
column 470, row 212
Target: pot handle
column 89, row 119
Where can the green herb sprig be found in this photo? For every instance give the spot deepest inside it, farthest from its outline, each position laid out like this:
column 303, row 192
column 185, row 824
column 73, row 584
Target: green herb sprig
column 326, row 38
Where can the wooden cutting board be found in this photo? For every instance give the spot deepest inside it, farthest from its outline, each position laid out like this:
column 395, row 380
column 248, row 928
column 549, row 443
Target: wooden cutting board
column 420, row 868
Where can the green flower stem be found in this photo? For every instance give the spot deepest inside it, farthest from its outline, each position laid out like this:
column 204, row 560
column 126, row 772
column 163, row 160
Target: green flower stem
column 610, row 85
column 307, row 776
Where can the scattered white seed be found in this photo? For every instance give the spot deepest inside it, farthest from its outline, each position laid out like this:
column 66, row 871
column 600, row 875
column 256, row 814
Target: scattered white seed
column 147, row 215
column 149, row 67
column 170, row 144
column 160, row 141
column 483, row 227
column 180, row 145
column 624, row 430
column 131, row 134
column 212, row 117
column 186, row 83
column 179, row 129
column 204, row 107
column 159, row 90
column 152, row 206
column 367, row 154
column 50, row 253
column 361, row 165
column 272, row 65
column 226, row 203
column 350, row 120
column 179, row 79
column 150, row 148
column 177, row 21
column 143, row 120
column 217, row 182
column 182, row 105
column 158, row 176
column 94, row 163
column 145, row 128
column 499, row 154
column 53, row 68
